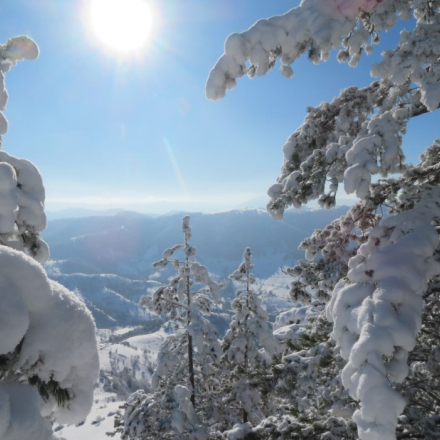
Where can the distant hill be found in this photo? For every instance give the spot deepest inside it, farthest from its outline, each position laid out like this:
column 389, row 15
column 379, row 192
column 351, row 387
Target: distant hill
column 127, row 244
column 82, row 212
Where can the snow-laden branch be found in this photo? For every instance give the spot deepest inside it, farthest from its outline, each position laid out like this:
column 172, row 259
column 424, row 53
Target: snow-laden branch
column 15, row 49
column 416, row 61
column 22, row 193
column 357, row 135
column 22, row 215
column 55, row 334
column 377, row 313
column 315, row 27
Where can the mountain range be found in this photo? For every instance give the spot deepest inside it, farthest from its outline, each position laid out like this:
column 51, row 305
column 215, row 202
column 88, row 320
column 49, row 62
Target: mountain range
column 107, row 259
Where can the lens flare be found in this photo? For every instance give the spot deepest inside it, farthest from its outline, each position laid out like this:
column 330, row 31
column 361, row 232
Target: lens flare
column 175, row 165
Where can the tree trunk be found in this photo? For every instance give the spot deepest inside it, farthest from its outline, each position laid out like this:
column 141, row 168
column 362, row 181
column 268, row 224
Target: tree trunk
column 246, row 361
column 191, row 370
column 190, row 344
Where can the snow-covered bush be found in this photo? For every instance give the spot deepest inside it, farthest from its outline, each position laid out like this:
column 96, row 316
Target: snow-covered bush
column 48, row 353
column 185, row 386
column 377, row 271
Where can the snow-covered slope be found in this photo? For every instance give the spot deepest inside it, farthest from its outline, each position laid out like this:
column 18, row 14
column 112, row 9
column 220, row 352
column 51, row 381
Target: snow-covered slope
column 274, row 292
column 112, row 299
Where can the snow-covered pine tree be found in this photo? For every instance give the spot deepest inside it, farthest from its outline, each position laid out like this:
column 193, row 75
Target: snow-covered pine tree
column 185, row 385
column 48, row 353
column 377, row 271
column 249, row 346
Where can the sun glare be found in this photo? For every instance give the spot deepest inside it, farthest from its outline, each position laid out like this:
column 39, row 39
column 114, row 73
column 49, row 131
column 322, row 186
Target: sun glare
column 123, row 25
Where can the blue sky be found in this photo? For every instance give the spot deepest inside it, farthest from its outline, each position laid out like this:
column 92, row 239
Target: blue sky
column 138, row 133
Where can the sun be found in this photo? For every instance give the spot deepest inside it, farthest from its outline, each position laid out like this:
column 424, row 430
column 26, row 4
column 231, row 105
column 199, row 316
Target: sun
column 123, row 25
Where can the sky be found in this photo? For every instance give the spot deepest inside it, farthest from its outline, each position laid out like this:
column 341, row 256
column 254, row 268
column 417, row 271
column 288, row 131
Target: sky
column 108, row 130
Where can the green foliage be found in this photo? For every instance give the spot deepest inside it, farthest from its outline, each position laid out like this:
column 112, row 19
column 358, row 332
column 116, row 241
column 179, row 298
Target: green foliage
column 50, row 388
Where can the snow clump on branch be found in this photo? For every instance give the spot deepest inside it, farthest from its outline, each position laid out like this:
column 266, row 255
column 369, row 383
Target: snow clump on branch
column 377, row 317
column 316, row 26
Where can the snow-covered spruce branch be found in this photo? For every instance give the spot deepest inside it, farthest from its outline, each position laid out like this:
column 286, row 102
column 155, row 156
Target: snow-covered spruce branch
column 420, row 389
column 15, row 49
column 377, row 312
column 336, row 244
column 349, row 140
column 315, row 27
column 415, row 61
column 357, row 144
column 159, row 297
column 357, row 135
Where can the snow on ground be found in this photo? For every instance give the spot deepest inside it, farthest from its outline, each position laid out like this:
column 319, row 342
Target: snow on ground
column 150, row 343
column 124, row 363
column 124, row 330
column 98, row 423
column 274, row 292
